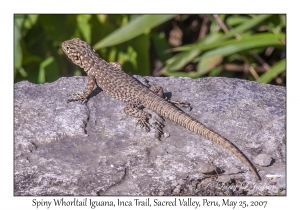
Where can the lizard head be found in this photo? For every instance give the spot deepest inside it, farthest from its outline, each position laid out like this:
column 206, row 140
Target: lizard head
column 80, row 52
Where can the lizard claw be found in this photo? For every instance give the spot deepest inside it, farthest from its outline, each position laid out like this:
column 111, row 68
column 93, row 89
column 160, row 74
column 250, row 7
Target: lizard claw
column 144, row 124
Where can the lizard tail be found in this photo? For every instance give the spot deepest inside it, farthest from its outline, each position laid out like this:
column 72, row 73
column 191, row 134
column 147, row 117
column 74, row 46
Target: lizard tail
column 167, row 110
column 202, row 130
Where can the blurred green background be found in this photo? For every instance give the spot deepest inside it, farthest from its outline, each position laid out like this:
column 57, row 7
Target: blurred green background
column 239, row 46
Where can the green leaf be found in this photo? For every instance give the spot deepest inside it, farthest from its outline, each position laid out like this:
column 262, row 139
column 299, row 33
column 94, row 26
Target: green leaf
column 30, row 21
column 136, row 57
column 207, row 64
column 215, row 72
column 23, row 72
column 245, row 26
column 185, row 57
column 283, row 20
column 59, row 27
column 209, row 59
column 277, row 69
column 247, row 43
column 220, row 41
column 236, row 20
column 42, row 71
column 85, row 27
column 180, row 60
column 18, row 54
column 210, row 41
column 161, row 46
column 134, row 28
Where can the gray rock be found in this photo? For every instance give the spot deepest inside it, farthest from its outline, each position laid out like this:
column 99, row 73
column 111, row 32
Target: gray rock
column 224, row 179
column 95, row 149
column 263, row 160
column 207, row 168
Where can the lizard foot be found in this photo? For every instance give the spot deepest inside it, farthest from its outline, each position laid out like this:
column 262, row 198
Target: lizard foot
column 157, row 126
column 180, row 103
column 144, row 124
column 76, row 97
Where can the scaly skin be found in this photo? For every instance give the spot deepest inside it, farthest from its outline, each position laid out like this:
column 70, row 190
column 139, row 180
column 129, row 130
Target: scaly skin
column 116, row 83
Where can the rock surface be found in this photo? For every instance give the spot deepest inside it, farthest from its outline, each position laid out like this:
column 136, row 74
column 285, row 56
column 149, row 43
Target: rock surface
column 96, row 149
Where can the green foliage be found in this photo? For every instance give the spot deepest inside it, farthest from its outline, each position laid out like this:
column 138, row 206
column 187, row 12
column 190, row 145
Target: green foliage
column 39, row 58
column 140, row 25
column 127, row 39
column 277, row 69
column 239, row 44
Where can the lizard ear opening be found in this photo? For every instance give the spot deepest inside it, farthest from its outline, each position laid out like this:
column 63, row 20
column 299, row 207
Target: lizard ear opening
column 78, row 61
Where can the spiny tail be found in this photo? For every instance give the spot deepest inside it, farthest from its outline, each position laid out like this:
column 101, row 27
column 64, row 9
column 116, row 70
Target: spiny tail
column 167, row 110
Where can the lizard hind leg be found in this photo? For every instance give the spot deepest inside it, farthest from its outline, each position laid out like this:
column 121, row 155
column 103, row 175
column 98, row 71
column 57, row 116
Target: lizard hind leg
column 135, row 110
column 158, row 90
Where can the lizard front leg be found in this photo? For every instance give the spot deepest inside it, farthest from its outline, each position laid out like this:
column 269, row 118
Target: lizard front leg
column 83, row 96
